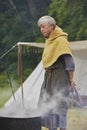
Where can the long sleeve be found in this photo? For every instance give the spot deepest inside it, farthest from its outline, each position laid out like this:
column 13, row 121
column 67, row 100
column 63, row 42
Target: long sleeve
column 69, row 63
column 70, row 67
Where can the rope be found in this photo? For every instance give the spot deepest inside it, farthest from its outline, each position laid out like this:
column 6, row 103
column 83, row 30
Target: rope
column 8, row 51
column 19, row 69
column 11, row 85
column 7, row 72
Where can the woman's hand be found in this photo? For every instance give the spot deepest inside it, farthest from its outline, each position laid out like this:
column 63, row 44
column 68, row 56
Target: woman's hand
column 73, row 85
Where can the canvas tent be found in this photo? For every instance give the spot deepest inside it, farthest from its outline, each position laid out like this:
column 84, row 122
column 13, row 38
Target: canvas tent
column 32, row 85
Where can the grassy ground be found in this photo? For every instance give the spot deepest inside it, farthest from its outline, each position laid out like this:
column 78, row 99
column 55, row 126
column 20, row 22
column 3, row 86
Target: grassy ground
column 76, row 119
column 5, row 94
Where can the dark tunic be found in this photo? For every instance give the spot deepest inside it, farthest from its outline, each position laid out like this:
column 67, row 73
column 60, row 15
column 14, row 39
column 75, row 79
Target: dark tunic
column 55, row 92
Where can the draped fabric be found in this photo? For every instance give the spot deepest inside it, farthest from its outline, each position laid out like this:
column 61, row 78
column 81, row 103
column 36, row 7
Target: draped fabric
column 55, row 46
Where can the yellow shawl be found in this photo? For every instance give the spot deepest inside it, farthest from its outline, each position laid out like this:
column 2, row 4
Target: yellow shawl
column 55, row 46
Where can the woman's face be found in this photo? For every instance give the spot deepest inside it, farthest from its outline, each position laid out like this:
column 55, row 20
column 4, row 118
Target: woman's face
column 46, row 30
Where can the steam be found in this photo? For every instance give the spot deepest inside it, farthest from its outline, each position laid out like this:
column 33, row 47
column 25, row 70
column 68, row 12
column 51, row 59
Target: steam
column 52, row 103
column 24, row 109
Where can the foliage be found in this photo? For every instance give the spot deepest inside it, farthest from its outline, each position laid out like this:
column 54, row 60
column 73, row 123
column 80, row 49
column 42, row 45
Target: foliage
column 71, row 16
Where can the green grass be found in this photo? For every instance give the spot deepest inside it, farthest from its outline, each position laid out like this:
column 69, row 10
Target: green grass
column 5, row 94
column 5, row 89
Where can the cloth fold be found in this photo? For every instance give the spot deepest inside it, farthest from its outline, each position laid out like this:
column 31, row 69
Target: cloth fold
column 56, row 45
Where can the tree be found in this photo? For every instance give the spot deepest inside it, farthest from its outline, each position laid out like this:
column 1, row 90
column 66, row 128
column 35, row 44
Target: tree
column 71, row 15
column 18, row 22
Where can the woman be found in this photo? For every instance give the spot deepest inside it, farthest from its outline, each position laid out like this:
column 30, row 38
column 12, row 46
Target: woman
column 59, row 65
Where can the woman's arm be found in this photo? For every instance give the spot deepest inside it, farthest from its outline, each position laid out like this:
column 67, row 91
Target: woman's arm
column 71, row 76
column 70, row 67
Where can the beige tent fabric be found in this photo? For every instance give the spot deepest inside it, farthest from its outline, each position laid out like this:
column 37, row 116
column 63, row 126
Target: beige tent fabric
column 31, row 89
column 81, row 70
column 32, row 84
column 79, row 50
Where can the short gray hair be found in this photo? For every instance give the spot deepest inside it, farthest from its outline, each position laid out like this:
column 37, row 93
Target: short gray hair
column 47, row 20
